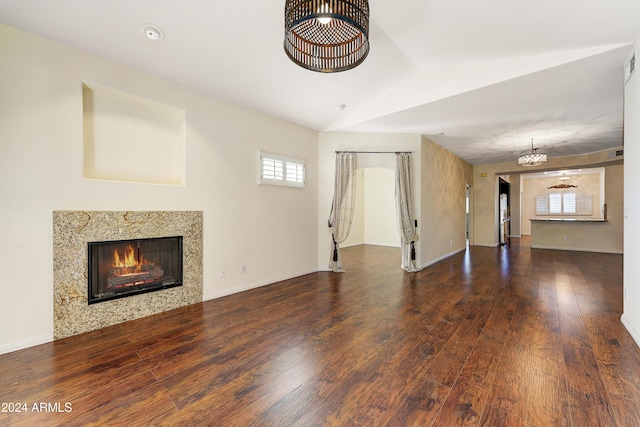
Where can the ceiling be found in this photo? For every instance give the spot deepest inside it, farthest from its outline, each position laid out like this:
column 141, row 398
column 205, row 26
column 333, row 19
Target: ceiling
column 479, row 78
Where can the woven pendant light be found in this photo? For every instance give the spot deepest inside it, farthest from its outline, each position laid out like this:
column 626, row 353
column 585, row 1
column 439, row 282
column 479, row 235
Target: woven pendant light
column 326, row 35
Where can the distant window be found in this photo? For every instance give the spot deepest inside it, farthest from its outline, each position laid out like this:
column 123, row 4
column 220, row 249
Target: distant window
column 569, row 203
column 555, row 203
column 281, row 170
column 542, row 205
column 584, row 204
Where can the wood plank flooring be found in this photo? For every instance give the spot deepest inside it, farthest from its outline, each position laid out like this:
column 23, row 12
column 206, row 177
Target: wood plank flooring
column 504, row 336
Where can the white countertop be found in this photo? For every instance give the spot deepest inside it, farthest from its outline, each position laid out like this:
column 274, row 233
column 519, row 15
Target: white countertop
column 568, row 219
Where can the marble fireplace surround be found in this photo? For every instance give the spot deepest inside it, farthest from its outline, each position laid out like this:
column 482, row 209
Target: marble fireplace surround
column 72, row 230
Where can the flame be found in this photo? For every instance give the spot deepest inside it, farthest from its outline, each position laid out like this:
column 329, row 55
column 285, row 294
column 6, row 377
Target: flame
column 128, row 260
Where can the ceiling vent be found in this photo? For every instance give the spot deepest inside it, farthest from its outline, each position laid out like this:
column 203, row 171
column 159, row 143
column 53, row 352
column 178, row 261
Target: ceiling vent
column 630, row 67
column 616, row 153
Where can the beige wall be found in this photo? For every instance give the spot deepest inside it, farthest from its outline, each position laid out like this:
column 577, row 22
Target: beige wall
column 271, row 230
column 443, row 194
column 515, row 207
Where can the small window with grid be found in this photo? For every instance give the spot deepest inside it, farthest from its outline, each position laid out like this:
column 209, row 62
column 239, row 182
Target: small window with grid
column 281, row 170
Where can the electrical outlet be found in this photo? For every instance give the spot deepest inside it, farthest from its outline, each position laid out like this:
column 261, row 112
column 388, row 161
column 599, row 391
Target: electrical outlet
column 566, row 238
column 223, row 273
column 243, row 268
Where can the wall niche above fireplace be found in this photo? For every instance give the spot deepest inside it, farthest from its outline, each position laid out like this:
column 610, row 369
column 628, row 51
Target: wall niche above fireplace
column 118, row 269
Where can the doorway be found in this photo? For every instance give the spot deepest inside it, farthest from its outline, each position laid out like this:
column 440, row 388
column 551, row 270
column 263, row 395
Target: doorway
column 504, row 211
column 467, row 204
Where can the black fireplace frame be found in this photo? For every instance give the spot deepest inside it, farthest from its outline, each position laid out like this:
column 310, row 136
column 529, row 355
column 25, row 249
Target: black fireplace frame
column 92, row 270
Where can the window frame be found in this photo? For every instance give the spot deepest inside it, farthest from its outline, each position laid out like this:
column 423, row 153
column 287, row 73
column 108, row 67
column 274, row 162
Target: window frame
column 287, row 164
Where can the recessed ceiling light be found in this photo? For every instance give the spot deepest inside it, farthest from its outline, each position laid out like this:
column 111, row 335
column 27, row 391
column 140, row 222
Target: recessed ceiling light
column 153, row 32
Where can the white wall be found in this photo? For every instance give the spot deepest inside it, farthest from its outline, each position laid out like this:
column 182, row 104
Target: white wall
column 374, row 221
column 273, row 230
column 380, row 208
column 631, row 316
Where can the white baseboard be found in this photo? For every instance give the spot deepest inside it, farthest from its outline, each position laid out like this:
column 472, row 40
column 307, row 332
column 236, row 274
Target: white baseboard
column 442, row 257
column 254, row 285
column 350, row 245
column 629, row 327
column 25, row 344
column 386, row 245
column 564, row 248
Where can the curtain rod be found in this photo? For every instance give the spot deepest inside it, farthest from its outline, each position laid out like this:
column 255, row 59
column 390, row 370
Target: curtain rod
column 375, row 152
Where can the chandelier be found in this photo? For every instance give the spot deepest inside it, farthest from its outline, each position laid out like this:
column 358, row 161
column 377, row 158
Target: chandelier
column 532, row 159
column 326, row 35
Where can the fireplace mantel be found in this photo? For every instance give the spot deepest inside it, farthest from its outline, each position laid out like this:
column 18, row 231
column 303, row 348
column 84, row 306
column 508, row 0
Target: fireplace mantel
column 73, row 230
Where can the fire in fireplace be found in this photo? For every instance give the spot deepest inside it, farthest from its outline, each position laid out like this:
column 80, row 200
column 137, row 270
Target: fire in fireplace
column 128, row 267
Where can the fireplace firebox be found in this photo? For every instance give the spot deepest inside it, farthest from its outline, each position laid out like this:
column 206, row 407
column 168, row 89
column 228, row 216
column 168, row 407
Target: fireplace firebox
column 122, row 268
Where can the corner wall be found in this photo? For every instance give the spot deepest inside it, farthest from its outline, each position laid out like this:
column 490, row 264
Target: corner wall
column 271, row 230
column 631, row 314
column 443, row 202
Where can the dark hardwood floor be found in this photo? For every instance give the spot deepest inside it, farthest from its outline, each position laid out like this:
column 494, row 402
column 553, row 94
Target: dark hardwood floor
column 493, row 336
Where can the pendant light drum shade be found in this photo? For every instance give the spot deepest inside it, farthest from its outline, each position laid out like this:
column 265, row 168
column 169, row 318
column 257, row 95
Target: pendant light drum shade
column 326, row 35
